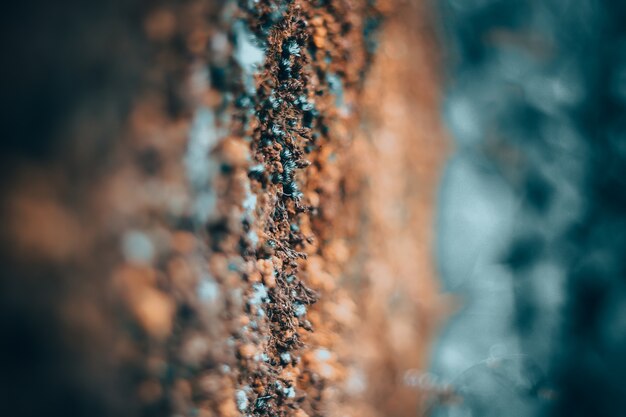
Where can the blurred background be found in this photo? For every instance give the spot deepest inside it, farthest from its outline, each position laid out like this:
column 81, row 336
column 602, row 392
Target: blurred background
column 530, row 215
column 313, row 208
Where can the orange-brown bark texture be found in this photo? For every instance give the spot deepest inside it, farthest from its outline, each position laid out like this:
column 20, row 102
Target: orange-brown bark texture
column 245, row 231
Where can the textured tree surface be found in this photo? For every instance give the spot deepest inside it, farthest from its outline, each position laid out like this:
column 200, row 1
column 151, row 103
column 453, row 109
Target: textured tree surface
column 226, row 208
column 212, row 208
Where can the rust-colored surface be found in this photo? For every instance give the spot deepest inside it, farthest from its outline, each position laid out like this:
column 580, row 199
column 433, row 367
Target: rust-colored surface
column 249, row 242
column 401, row 148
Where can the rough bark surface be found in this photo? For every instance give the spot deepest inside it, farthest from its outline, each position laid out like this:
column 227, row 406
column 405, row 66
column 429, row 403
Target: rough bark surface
column 229, row 214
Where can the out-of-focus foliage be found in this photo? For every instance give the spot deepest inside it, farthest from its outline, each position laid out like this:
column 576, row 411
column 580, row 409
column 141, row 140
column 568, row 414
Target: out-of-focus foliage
column 533, row 214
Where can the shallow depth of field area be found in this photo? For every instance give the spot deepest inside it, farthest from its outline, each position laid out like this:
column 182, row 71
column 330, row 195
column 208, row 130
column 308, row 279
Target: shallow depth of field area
column 368, row 208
